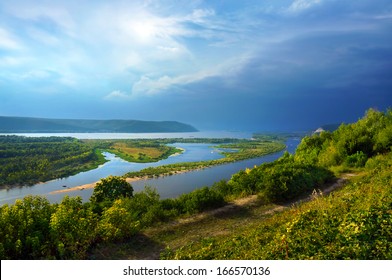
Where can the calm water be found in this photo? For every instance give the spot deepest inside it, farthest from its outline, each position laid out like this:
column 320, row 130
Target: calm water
column 169, row 186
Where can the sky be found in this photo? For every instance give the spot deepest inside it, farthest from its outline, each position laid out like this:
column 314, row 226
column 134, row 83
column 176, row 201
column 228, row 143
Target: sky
column 249, row 65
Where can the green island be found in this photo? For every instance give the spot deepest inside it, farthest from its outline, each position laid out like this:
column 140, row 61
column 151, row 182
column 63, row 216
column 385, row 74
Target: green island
column 330, row 200
column 135, row 150
column 239, row 149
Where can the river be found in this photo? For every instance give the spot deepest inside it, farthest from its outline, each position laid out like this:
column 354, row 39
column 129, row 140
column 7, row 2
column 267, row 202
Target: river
column 167, row 187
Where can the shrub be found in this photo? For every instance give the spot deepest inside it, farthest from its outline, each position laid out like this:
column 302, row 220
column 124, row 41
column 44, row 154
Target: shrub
column 117, row 223
column 110, row 189
column 200, row 200
column 356, row 160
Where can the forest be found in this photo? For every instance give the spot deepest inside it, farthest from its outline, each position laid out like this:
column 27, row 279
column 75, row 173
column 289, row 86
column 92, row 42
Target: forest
column 355, row 222
column 29, row 160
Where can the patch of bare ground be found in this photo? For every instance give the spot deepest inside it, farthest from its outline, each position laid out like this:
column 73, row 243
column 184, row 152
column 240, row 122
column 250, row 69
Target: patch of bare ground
column 231, row 218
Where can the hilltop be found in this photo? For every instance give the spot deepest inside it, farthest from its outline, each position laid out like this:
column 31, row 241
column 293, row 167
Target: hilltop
column 43, row 125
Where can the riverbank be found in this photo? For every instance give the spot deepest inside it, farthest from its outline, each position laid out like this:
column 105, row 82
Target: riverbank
column 128, row 179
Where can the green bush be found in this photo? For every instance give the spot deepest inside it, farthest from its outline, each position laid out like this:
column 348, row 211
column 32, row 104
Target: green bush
column 24, row 228
column 356, row 160
column 72, row 229
column 199, row 200
column 281, row 180
column 117, row 223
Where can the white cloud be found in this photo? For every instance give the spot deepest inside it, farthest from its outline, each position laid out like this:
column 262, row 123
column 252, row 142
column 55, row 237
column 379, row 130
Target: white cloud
column 116, row 95
column 150, row 86
column 200, row 15
column 108, row 40
column 7, row 40
column 384, row 16
column 300, row 5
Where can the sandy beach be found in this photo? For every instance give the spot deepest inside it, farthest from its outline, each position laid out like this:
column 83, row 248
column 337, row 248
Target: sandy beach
column 129, row 180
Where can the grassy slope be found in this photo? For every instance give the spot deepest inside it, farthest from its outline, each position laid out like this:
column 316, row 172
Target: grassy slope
column 354, row 222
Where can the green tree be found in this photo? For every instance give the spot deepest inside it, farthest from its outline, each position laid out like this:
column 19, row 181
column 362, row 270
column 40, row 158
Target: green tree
column 110, row 189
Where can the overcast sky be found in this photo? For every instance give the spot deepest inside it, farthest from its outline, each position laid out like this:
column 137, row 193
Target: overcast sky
column 242, row 65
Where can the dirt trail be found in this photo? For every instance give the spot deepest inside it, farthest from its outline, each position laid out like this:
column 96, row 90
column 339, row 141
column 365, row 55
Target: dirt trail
column 252, row 200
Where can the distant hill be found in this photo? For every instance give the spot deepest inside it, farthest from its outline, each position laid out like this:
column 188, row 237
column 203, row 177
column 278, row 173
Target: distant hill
column 31, row 125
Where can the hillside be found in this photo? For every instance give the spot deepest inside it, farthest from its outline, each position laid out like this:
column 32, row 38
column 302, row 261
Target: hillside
column 42, row 125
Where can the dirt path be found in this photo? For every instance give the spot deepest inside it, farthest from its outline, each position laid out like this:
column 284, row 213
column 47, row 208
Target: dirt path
column 252, row 200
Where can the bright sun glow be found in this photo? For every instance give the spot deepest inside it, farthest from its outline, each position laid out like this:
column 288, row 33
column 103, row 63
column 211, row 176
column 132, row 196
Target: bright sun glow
column 144, row 30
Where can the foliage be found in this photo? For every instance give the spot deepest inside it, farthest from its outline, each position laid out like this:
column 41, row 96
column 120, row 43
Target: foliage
column 24, row 228
column 281, row 180
column 32, row 228
column 117, row 223
column 72, row 229
column 110, row 189
column 200, row 200
column 356, row 160
column 29, row 160
column 351, row 144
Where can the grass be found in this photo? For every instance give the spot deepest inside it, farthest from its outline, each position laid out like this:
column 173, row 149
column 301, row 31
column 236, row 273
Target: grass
column 141, row 154
column 353, row 222
column 154, row 240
